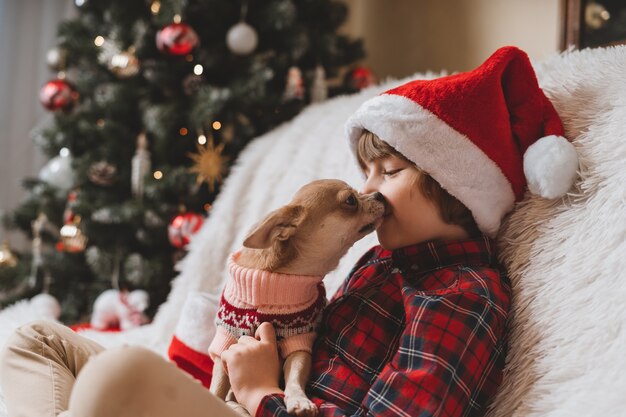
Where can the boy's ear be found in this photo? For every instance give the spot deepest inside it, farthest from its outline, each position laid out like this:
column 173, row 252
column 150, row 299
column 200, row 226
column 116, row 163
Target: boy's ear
column 280, row 224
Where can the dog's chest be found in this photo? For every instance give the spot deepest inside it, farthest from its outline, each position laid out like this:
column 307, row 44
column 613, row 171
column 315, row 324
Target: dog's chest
column 243, row 319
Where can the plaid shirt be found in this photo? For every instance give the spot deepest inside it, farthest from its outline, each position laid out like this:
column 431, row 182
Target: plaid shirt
column 418, row 331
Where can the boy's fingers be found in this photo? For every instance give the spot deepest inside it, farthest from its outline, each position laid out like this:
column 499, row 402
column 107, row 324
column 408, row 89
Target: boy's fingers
column 224, row 359
column 246, row 340
column 266, row 333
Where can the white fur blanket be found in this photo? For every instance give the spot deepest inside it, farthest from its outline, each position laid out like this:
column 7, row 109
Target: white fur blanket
column 566, row 257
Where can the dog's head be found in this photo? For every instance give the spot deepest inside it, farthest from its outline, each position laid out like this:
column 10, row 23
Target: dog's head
column 311, row 234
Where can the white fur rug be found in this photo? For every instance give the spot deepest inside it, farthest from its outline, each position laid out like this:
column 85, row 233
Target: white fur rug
column 568, row 258
column 568, row 328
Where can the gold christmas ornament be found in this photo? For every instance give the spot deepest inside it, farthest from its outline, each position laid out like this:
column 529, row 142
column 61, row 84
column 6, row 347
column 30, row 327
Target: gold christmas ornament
column 124, row 64
column 7, row 259
column 102, row 173
column 209, row 163
column 72, row 237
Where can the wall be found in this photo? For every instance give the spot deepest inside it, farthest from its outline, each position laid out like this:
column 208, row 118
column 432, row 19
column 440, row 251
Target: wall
column 406, row 36
column 27, row 32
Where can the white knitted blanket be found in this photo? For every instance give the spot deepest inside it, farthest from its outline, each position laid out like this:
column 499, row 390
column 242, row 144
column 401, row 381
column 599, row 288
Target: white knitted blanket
column 566, row 258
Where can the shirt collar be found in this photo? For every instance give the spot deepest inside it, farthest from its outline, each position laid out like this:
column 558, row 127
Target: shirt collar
column 439, row 254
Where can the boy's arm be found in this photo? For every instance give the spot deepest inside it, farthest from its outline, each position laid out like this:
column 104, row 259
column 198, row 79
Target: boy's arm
column 442, row 365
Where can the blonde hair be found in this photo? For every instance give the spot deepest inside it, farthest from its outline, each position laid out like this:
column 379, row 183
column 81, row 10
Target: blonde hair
column 370, row 147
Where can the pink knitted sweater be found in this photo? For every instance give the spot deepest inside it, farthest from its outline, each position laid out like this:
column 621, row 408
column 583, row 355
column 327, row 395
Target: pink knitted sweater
column 292, row 303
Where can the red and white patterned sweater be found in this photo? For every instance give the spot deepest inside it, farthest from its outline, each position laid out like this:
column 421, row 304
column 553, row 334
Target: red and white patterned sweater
column 291, row 303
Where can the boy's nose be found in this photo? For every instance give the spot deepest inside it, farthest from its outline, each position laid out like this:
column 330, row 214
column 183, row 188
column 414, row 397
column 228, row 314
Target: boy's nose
column 368, row 187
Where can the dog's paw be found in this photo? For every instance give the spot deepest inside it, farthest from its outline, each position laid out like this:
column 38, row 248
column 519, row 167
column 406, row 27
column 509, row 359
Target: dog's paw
column 300, row 405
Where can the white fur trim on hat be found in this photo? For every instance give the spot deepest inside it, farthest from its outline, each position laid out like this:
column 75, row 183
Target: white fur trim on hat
column 196, row 325
column 451, row 158
column 550, row 166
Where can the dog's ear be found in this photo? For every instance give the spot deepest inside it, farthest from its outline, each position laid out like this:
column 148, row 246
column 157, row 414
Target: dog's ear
column 280, row 224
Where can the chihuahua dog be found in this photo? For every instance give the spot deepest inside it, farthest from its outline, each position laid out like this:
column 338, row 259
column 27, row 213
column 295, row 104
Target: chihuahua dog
column 277, row 277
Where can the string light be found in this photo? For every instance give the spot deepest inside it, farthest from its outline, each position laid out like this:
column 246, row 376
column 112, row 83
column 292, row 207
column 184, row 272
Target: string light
column 198, row 69
column 99, row 41
column 155, row 7
column 64, row 152
column 100, row 122
column 183, row 131
column 189, row 58
column 158, row 175
column 79, row 3
column 217, row 125
column 202, row 139
column 177, row 18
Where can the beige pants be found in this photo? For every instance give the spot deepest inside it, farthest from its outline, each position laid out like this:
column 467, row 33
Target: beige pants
column 48, row 370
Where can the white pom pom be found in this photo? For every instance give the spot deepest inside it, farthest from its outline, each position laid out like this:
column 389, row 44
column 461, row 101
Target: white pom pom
column 46, row 306
column 550, row 166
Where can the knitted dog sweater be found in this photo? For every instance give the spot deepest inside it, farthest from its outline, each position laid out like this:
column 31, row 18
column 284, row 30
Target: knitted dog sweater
column 292, row 303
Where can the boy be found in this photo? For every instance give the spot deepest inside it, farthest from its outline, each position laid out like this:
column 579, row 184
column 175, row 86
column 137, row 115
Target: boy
column 418, row 328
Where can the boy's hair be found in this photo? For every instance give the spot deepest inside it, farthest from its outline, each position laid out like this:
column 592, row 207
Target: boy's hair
column 370, row 147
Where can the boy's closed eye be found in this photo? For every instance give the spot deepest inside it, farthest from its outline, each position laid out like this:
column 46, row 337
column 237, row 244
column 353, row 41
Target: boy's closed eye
column 391, row 172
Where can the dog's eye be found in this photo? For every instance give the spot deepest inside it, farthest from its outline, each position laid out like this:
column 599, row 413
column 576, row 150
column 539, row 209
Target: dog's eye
column 351, row 200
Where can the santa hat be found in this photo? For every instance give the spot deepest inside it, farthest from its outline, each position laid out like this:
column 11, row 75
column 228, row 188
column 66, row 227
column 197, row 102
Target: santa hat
column 483, row 135
column 189, row 347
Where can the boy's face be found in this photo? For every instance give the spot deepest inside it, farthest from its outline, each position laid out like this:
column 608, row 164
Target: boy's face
column 412, row 217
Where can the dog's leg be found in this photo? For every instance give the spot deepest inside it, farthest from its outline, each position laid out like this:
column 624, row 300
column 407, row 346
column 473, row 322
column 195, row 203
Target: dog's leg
column 220, row 384
column 231, row 401
column 297, row 368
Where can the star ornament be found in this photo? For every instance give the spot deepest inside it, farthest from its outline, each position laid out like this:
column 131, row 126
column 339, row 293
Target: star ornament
column 209, row 164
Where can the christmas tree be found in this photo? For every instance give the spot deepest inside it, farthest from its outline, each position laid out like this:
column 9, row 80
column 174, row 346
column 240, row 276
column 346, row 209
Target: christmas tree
column 152, row 102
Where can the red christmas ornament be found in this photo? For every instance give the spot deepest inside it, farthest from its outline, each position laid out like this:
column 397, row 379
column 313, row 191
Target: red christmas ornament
column 183, row 227
column 177, row 39
column 359, row 78
column 58, row 95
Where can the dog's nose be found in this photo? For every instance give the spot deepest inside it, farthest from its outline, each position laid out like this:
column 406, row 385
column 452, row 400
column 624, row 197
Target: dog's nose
column 379, row 197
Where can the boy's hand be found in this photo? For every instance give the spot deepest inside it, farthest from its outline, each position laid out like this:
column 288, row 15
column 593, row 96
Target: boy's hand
column 253, row 367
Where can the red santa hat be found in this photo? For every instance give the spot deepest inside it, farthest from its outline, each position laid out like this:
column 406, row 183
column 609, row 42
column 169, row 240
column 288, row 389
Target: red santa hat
column 189, row 347
column 484, row 135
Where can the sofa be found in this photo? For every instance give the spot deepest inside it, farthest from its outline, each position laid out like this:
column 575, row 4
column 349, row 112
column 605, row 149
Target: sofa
column 566, row 258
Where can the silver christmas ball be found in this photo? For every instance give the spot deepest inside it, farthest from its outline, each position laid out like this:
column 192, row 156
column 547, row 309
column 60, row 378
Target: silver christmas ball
column 241, row 39
column 58, row 172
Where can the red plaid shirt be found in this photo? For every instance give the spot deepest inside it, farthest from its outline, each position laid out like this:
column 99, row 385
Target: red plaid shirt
column 418, row 331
